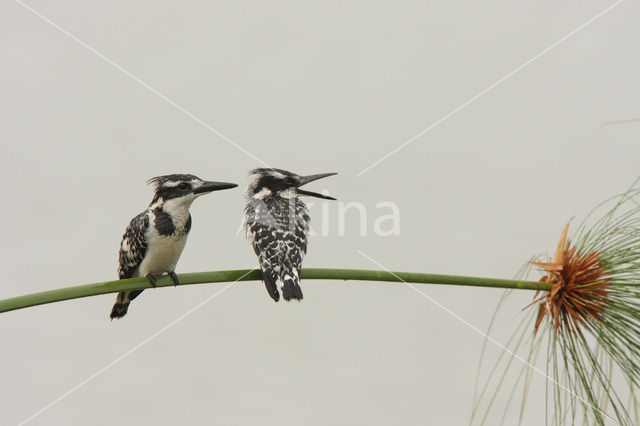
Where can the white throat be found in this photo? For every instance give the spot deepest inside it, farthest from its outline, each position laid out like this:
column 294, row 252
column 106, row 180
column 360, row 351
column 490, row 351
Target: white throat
column 288, row 193
column 179, row 207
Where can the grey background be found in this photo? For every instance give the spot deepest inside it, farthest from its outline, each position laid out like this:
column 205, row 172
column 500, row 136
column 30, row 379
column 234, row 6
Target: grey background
column 311, row 87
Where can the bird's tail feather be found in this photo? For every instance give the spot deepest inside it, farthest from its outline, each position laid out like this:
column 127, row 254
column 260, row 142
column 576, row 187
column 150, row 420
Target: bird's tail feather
column 121, row 306
column 270, row 279
column 291, row 288
column 119, row 310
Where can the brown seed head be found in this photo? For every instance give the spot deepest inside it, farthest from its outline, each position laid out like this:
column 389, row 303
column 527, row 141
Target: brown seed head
column 578, row 287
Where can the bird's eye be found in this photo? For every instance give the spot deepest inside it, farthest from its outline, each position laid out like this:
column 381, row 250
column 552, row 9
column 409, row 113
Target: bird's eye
column 184, row 186
column 290, row 181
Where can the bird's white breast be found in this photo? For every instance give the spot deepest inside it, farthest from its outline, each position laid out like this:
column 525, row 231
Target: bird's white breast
column 162, row 253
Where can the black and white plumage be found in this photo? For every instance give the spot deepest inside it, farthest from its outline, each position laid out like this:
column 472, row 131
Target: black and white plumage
column 154, row 239
column 277, row 224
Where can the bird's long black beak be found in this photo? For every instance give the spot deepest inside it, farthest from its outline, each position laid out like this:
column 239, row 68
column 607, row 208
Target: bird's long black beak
column 306, row 179
column 213, row 186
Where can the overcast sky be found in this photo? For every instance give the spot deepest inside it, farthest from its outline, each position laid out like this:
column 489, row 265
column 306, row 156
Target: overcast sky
column 218, row 88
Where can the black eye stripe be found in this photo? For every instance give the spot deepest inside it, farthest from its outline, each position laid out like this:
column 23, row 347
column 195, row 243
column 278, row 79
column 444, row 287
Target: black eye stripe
column 274, row 183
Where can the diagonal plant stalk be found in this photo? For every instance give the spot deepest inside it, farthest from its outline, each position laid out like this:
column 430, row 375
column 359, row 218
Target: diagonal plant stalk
column 95, row 289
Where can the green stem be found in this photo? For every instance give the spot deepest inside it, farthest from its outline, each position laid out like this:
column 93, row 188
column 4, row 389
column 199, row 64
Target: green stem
column 86, row 290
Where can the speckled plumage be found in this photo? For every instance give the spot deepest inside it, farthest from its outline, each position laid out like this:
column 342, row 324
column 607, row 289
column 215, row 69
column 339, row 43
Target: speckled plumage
column 133, row 245
column 277, row 229
column 277, row 224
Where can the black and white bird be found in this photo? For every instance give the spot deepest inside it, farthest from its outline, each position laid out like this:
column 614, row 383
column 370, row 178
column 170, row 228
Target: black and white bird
column 153, row 241
column 277, row 224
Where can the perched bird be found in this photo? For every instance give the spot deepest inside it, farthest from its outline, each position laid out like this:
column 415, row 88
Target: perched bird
column 153, row 241
column 277, row 223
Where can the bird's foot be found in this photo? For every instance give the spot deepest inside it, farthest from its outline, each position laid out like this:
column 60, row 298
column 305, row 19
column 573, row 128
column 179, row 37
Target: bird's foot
column 174, row 277
column 152, row 280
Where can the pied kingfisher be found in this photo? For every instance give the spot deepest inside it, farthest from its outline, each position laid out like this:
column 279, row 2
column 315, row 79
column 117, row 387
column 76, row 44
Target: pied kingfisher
column 153, row 241
column 277, row 223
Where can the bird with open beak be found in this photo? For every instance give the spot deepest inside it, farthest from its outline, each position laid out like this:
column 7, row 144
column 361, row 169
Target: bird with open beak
column 277, row 224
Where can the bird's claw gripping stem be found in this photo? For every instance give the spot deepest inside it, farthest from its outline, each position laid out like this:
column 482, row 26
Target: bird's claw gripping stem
column 152, row 280
column 174, row 277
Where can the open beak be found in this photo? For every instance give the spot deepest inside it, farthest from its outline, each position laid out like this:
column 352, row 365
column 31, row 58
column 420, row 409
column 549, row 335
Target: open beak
column 306, row 179
column 213, row 186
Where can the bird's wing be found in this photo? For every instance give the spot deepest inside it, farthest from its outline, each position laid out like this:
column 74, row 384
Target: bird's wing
column 294, row 239
column 265, row 244
column 133, row 246
column 293, row 247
